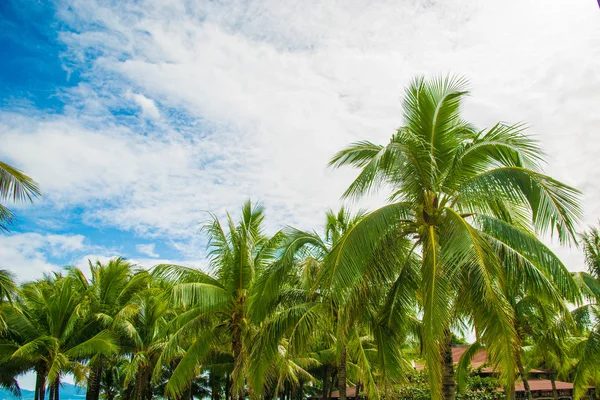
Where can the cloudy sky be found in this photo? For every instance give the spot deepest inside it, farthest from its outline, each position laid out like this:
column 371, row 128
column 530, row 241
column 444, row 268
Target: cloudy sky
column 137, row 118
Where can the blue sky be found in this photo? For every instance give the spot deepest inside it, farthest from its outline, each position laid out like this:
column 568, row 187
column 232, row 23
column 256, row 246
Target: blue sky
column 138, row 117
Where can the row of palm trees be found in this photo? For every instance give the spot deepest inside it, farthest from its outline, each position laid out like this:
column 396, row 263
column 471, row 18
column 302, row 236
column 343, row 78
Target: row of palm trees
column 455, row 250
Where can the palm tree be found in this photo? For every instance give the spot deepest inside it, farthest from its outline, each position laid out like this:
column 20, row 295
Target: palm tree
column 15, row 186
column 148, row 336
column 468, row 200
column 549, row 345
column 216, row 309
column 109, row 291
column 314, row 316
column 588, row 316
column 48, row 331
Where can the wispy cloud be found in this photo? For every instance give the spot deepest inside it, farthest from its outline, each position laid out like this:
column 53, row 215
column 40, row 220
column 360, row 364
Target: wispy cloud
column 148, row 250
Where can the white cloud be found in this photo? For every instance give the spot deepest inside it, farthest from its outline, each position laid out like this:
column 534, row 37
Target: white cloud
column 147, row 249
column 27, row 254
column 278, row 87
column 148, row 107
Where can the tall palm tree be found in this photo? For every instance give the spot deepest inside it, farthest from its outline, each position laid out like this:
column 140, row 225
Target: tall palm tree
column 216, row 309
column 15, row 186
column 467, row 199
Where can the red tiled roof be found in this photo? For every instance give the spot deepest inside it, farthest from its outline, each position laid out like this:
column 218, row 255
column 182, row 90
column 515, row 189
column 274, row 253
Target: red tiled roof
column 542, row 384
column 478, row 360
column 457, row 351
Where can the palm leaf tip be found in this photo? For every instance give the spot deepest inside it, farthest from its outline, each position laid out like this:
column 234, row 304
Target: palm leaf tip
column 16, row 186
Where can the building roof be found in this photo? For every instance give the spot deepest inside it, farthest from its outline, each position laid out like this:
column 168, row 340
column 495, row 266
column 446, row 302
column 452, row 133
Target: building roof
column 478, row 360
column 543, row 384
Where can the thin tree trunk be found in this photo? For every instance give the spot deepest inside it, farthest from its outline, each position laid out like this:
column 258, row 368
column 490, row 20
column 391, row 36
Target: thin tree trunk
column 188, row 393
column 227, row 386
column 342, row 375
column 143, row 391
column 524, row 377
column 40, row 384
column 212, row 384
column 553, row 381
column 448, row 382
column 93, row 386
column 325, row 381
column 333, row 381
column 237, row 389
column 57, row 389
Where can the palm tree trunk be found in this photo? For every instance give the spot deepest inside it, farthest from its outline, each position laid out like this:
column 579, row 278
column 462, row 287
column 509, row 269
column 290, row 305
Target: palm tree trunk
column 524, row 377
column 142, row 389
column 40, row 384
column 553, row 382
column 56, row 389
column 188, row 393
column 342, row 375
column 214, row 391
column 227, row 386
column 325, row 381
column 448, row 382
column 333, row 381
column 237, row 390
column 93, row 387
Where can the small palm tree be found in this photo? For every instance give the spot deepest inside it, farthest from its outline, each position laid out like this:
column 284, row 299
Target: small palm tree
column 15, row 186
column 467, row 199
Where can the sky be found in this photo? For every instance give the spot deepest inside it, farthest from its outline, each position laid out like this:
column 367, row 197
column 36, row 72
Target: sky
column 137, row 118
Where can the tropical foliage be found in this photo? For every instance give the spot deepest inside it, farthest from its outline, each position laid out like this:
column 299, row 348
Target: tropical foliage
column 295, row 313
column 15, row 186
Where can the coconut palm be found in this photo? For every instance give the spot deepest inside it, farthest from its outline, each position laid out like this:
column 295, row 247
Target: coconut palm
column 146, row 340
column 48, row 331
column 15, row 186
column 109, row 291
column 216, row 310
column 314, row 316
column 468, row 199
